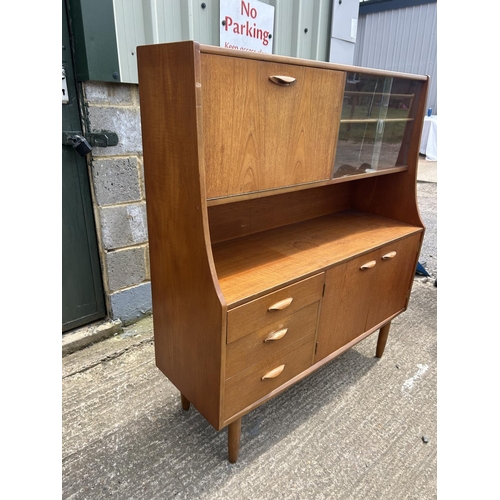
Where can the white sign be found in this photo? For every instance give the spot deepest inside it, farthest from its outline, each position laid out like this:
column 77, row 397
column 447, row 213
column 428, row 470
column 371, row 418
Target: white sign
column 246, row 25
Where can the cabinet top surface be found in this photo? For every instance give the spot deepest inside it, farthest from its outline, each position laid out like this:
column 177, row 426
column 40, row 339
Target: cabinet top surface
column 212, row 49
column 256, row 264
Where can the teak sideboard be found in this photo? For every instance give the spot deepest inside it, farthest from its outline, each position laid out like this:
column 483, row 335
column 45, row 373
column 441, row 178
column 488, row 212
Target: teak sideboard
column 282, row 216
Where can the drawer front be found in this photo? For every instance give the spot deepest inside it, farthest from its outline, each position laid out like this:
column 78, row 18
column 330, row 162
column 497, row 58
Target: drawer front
column 273, row 307
column 263, row 135
column 248, row 386
column 267, row 341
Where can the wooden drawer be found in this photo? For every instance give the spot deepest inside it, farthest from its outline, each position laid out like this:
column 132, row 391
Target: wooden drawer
column 248, row 387
column 259, row 345
column 273, row 307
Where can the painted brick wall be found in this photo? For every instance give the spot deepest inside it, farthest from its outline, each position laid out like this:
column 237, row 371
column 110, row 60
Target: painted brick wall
column 120, row 203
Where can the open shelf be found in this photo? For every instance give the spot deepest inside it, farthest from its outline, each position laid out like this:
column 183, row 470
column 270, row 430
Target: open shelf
column 254, row 265
column 212, row 202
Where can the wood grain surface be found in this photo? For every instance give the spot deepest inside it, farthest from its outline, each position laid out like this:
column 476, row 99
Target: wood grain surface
column 259, row 135
column 250, row 266
column 188, row 308
column 356, row 299
column 253, row 345
column 247, row 386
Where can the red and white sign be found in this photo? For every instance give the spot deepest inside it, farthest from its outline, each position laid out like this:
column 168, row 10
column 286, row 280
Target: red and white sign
column 246, row 25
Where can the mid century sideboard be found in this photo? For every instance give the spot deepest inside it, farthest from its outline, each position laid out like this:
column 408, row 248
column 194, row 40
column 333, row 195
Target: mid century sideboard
column 282, row 216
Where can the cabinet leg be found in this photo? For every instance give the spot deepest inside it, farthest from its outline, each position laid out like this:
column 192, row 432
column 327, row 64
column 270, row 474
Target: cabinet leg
column 382, row 339
column 185, row 402
column 233, row 440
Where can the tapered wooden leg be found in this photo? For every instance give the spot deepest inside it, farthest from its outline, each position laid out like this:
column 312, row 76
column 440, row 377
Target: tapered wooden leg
column 233, row 440
column 382, row 339
column 185, row 402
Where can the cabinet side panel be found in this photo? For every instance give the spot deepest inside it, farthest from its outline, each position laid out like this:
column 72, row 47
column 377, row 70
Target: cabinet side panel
column 188, row 308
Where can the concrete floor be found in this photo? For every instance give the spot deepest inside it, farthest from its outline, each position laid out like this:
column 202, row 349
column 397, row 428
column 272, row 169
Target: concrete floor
column 427, row 170
column 352, row 430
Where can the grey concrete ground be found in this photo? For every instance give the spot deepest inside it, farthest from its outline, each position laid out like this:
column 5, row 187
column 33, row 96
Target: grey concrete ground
column 352, row 430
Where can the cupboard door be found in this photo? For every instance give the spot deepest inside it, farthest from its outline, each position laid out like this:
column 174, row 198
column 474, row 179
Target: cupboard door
column 348, row 295
column 364, row 292
column 262, row 132
column 395, row 268
column 378, row 116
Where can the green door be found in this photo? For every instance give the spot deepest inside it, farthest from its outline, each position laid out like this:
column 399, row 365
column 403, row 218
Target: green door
column 82, row 290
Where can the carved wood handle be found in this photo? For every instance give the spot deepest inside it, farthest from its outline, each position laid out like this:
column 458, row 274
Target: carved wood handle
column 369, row 265
column 283, row 80
column 274, row 373
column 390, row 255
column 279, row 334
column 282, row 304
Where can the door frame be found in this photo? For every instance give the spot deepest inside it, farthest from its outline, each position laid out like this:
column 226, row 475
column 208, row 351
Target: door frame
column 96, row 310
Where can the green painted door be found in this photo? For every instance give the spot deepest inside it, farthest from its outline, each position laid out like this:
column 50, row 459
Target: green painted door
column 82, row 290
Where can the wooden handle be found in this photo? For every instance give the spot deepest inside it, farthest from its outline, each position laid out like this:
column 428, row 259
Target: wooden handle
column 282, row 80
column 390, row 255
column 274, row 373
column 369, row 265
column 282, row 304
column 279, row 334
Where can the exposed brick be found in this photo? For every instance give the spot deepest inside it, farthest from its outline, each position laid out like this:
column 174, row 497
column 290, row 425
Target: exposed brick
column 131, row 304
column 123, row 225
column 126, row 268
column 125, row 122
column 109, row 93
column 141, row 176
column 116, row 180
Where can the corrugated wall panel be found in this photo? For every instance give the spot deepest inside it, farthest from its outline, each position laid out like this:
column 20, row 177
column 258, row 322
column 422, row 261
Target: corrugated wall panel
column 401, row 40
column 129, row 25
column 301, row 27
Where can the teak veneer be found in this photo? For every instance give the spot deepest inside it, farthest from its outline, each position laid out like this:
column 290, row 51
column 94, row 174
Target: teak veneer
column 282, row 216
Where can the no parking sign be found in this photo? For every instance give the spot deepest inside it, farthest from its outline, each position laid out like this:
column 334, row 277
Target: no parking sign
column 246, row 25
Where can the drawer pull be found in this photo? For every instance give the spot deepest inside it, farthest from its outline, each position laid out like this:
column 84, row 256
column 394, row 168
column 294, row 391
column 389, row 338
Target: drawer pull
column 389, row 255
column 282, row 80
column 279, row 334
column 274, row 373
column 369, row 265
column 282, row 304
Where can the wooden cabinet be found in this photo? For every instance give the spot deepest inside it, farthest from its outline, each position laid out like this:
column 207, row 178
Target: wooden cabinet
column 282, row 216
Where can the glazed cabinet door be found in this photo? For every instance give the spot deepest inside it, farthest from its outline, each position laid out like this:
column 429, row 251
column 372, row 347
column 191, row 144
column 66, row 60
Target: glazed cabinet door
column 267, row 125
column 364, row 292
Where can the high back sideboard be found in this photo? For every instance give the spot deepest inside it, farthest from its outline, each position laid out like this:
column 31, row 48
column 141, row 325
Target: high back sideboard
column 282, row 216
